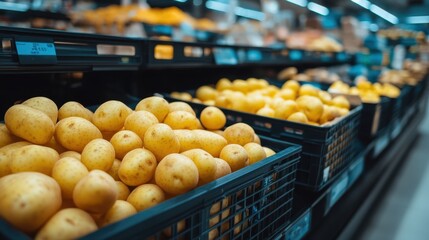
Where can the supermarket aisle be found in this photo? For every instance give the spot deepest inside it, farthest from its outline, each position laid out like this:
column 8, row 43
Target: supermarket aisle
column 404, row 212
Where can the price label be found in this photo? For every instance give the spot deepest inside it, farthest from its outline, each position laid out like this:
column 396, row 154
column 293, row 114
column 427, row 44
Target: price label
column 254, row 55
column 295, row 55
column 356, row 169
column 337, row 190
column 36, row 53
column 381, row 144
column 298, row 229
column 225, row 56
column 341, row 56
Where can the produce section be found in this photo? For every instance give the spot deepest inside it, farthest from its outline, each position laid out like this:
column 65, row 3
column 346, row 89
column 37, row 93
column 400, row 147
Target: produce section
column 166, row 137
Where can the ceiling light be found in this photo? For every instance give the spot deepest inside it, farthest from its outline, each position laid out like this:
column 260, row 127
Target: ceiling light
column 363, row 3
column 239, row 11
column 317, row 8
column 417, row 19
column 301, row 3
column 383, row 14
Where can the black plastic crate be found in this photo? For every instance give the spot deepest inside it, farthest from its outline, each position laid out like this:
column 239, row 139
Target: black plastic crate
column 319, row 143
column 373, row 119
column 253, row 203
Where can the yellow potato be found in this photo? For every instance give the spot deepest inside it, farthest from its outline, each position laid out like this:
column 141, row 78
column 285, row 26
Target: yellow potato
column 74, row 133
column 341, row 101
column 137, row 167
column 181, row 120
column 285, row 108
column 98, row 154
column 156, row 105
column 205, row 163
column 311, row 106
column 256, row 139
column 222, row 168
column 6, row 137
column 292, row 84
column 125, row 141
column 70, row 223
column 239, row 133
column 161, row 140
column 4, row 164
column 123, row 190
column 139, row 122
column 223, row 84
column 113, row 171
column 33, row 158
column 187, row 139
column 268, row 151
column 72, row 154
column 213, row 118
column 205, row 93
column 266, row 111
column 29, row 124
column 45, row 105
column 181, row 106
column 111, row 115
column 120, row 210
column 28, row 199
column 96, row 192
column 74, row 109
column 55, row 145
column 179, row 227
column 210, row 142
column 308, row 90
column 255, row 152
column 68, row 172
column 235, row 155
column 176, row 174
column 146, row 196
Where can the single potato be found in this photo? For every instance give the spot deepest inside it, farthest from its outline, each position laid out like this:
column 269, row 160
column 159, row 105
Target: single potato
column 187, row 139
column 161, row 140
column 45, row 105
column 74, row 109
column 4, row 164
column 96, row 192
column 181, row 120
column 98, row 154
column 235, row 155
column 156, row 105
column 28, row 200
column 210, row 142
column 179, row 227
column 6, row 137
column 239, row 133
column 213, row 118
column 137, row 167
column 33, row 158
column 111, row 115
column 222, row 168
column 124, row 141
column 181, row 106
column 139, row 122
column 74, row 133
column 176, row 174
column 55, row 145
column 255, row 152
column 68, row 172
column 268, row 151
column 72, row 154
column 123, row 190
column 113, row 171
column 29, row 124
column 70, row 223
column 120, row 210
column 205, row 163
column 146, row 196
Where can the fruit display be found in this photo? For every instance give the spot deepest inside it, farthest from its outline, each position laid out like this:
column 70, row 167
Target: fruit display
column 67, row 172
column 321, row 75
column 367, row 91
column 313, row 40
column 292, row 102
column 411, row 77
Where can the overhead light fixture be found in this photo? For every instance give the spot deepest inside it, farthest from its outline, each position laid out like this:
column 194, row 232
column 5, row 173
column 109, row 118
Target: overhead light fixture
column 239, row 11
column 383, row 14
column 417, row 19
column 317, row 8
column 301, row 3
column 363, row 3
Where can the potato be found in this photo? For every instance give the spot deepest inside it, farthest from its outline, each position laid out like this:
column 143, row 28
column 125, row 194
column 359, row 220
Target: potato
column 123, row 190
column 4, row 164
column 268, row 151
column 113, row 171
column 176, row 174
column 239, row 133
column 205, row 163
column 72, row 154
column 181, row 120
column 255, row 152
column 33, row 158
column 29, row 123
column 235, row 155
column 181, row 106
column 125, row 141
column 213, row 118
column 222, row 168
column 96, row 192
column 256, row 139
column 98, row 154
column 211, row 142
column 139, row 122
column 120, row 210
column 71, row 223
column 44, row 105
column 28, row 199
column 6, row 137
column 146, row 196
column 55, row 145
column 179, row 227
column 156, row 105
column 74, row 109
column 111, row 115
column 74, row 133
column 68, row 172
column 205, row 93
column 137, row 167
column 161, row 140
column 187, row 139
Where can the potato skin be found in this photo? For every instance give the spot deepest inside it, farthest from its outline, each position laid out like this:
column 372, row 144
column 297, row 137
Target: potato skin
column 120, row 210
column 74, row 109
column 74, row 133
column 68, row 171
column 69, row 223
column 28, row 199
column 98, row 154
column 33, row 158
column 45, row 105
column 29, row 124
column 161, row 140
column 137, row 167
column 146, row 196
column 110, row 116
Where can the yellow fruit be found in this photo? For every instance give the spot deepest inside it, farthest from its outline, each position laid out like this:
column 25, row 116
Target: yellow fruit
column 240, row 85
column 325, row 97
column 139, row 122
column 363, row 84
column 341, row 101
column 181, row 120
column 146, row 196
column 161, row 140
column 120, row 210
column 98, row 154
column 268, row 151
column 255, row 152
column 205, row 163
column 213, row 118
column 137, row 167
column 223, row 84
column 354, row 91
column 311, row 106
column 292, row 84
column 235, row 155
column 329, row 114
column 285, row 108
column 298, row 117
column 156, row 105
column 287, row 94
column 205, row 93
column 266, row 111
column 110, row 116
column 309, row 90
column 125, row 141
column 239, row 133
column 181, row 106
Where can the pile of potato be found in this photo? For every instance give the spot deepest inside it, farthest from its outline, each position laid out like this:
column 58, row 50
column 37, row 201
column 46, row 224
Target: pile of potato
column 293, row 102
column 67, row 172
column 367, row 91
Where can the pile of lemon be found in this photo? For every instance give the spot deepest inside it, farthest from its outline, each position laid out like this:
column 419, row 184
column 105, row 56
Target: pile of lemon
column 293, row 102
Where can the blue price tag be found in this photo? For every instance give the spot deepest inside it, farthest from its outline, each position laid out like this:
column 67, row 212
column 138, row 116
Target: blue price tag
column 254, row 55
column 295, row 55
column 36, row 53
column 338, row 189
column 381, row 144
column 225, row 56
column 298, row 229
column 342, row 56
column 356, row 169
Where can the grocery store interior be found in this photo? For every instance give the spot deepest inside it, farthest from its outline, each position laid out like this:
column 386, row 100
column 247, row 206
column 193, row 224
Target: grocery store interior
column 214, row 119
